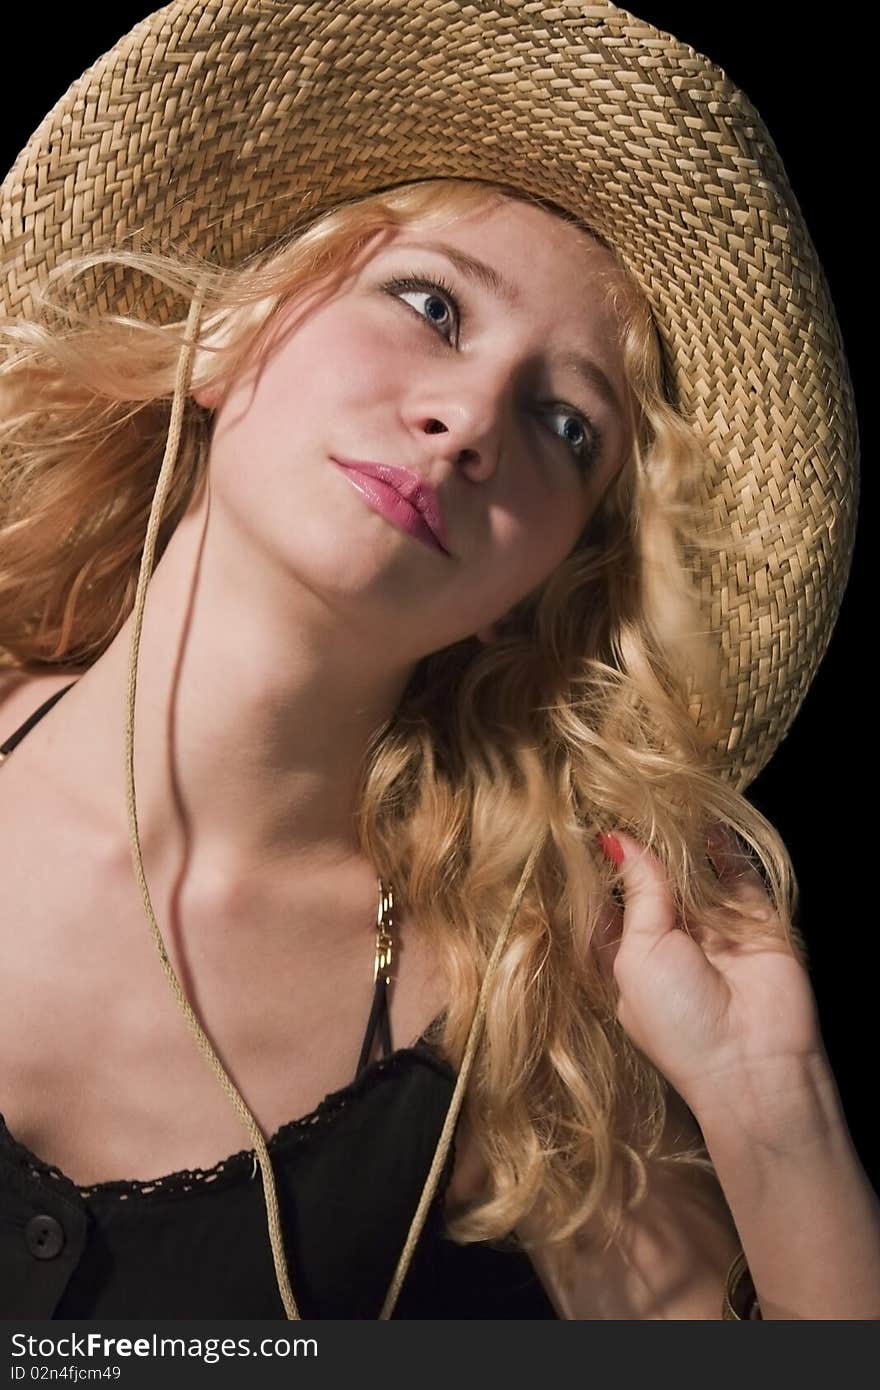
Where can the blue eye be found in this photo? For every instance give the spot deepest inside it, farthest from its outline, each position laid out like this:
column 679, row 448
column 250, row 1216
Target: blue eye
column 437, row 290
column 587, row 443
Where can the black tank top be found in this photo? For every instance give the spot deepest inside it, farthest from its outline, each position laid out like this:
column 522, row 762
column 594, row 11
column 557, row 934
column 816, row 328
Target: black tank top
column 195, row 1243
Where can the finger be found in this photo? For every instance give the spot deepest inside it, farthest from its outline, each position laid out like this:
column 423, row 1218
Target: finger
column 732, row 862
column 606, row 940
column 727, row 854
column 649, row 912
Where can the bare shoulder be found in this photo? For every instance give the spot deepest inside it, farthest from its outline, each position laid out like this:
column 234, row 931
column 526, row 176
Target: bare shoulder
column 670, row 1261
column 22, row 692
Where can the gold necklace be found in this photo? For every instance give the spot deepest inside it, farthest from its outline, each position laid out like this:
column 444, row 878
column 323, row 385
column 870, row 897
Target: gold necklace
column 384, row 926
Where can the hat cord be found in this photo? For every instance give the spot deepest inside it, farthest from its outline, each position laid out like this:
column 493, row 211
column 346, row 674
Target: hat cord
column 204, row 1043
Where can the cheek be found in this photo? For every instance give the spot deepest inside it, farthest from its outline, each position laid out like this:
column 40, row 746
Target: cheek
column 338, row 358
column 325, row 361
column 543, row 554
column 528, row 546
column 545, row 519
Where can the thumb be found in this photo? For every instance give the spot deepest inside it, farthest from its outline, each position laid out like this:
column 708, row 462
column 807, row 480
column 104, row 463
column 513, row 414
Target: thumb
column 606, row 940
column 648, row 911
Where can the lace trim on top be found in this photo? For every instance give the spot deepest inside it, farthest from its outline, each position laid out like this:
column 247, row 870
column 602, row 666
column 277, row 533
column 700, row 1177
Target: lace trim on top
column 230, row 1170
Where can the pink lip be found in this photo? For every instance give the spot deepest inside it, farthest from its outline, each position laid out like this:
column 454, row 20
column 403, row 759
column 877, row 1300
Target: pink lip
column 415, row 506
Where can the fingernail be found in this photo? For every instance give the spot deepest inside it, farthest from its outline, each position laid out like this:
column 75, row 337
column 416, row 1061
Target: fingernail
column 717, row 839
column 611, row 848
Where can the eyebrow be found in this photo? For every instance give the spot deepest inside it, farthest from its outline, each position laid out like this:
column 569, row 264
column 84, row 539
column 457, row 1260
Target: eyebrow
column 491, row 280
column 483, row 274
column 592, row 373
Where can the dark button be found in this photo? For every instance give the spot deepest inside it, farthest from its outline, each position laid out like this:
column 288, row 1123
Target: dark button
column 44, row 1236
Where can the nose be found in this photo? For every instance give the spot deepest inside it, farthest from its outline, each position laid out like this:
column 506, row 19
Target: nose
column 472, row 420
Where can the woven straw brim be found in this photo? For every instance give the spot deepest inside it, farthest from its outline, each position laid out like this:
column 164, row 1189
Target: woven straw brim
column 217, row 125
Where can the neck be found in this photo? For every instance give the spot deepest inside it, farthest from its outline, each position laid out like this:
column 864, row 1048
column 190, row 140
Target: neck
column 255, row 703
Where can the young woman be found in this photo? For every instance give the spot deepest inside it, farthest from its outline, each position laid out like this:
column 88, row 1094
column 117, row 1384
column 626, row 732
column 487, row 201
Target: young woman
column 429, row 615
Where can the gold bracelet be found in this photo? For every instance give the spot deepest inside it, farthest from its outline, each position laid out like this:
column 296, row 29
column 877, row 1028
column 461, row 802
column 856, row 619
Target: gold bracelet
column 740, row 1300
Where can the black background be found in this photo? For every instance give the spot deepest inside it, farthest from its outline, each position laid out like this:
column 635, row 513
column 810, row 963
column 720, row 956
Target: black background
column 807, row 81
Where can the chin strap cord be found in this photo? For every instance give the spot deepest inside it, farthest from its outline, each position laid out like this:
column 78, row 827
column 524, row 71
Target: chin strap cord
column 205, row 1046
column 164, row 481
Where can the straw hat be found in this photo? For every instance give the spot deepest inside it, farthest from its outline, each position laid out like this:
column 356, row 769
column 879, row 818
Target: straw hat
column 217, row 125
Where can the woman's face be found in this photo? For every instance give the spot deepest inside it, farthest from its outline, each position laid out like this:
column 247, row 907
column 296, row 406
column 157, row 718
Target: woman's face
column 468, row 386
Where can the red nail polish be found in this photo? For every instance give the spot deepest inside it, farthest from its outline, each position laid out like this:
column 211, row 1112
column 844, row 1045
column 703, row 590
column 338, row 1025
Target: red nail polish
column 611, row 848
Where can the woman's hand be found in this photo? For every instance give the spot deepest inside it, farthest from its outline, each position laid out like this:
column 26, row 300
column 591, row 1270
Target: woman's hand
column 715, row 1017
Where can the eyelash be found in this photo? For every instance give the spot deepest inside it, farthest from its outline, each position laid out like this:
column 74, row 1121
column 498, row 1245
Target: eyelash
column 589, row 450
